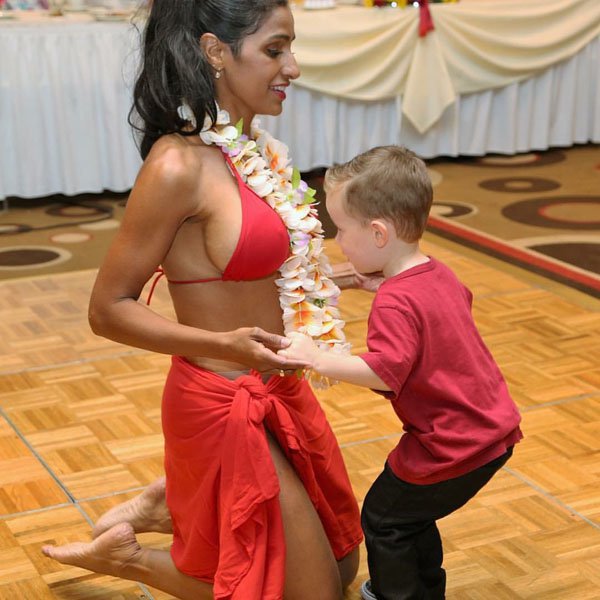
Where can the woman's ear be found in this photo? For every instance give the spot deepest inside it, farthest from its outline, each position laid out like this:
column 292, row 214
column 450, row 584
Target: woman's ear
column 381, row 232
column 212, row 47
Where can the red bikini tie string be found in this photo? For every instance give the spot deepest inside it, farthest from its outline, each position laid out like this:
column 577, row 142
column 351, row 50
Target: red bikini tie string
column 157, row 275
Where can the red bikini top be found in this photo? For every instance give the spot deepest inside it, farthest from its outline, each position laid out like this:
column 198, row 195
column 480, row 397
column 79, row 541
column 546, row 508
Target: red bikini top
column 262, row 247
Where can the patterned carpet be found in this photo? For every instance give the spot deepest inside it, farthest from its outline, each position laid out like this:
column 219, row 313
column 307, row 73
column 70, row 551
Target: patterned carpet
column 539, row 211
column 58, row 233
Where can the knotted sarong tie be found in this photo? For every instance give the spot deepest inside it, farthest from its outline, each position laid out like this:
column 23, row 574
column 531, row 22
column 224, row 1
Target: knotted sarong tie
column 260, row 403
column 250, row 486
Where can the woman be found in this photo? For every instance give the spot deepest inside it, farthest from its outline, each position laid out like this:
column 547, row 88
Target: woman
column 260, row 501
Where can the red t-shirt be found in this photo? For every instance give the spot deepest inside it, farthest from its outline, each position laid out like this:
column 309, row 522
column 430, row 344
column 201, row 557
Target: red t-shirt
column 446, row 388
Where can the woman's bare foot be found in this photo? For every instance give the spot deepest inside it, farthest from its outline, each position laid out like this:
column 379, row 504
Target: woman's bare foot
column 146, row 512
column 116, row 552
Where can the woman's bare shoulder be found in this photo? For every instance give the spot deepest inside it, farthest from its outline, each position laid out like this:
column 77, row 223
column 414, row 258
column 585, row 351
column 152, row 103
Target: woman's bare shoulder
column 176, row 167
column 177, row 160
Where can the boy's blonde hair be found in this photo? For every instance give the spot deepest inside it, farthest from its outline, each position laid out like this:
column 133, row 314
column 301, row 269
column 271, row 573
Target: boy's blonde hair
column 386, row 182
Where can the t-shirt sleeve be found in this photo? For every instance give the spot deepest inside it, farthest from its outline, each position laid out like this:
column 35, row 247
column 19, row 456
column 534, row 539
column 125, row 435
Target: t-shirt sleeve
column 393, row 343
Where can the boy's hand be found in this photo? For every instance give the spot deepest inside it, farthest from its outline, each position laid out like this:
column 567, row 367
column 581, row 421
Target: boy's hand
column 302, row 349
column 257, row 348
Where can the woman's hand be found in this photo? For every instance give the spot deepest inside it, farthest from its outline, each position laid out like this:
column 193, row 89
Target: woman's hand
column 258, row 349
column 369, row 282
column 346, row 277
column 302, row 348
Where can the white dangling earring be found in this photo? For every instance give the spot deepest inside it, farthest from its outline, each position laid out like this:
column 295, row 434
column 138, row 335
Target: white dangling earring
column 218, row 74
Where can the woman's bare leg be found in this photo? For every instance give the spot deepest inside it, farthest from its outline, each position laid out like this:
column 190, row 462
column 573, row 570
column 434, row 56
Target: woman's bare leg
column 116, row 552
column 348, row 568
column 311, row 569
column 145, row 512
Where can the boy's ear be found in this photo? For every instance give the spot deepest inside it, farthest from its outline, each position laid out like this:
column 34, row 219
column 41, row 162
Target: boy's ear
column 381, row 232
column 212, row 47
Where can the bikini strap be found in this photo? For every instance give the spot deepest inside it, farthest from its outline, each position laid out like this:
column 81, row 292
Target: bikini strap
column 235, row 171
column 159, row 273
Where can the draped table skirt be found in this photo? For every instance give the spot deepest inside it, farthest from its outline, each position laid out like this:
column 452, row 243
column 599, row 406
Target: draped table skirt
column 65, row 92
column 558, row 107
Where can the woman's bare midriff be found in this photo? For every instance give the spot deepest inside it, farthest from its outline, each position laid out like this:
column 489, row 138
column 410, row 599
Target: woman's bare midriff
column 225, row 306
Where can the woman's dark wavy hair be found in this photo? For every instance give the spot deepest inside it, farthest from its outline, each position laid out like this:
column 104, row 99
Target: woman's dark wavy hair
column 175, row 68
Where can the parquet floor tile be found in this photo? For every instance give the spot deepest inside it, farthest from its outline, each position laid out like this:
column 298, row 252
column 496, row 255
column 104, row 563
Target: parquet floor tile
column 24, row 482
column 26, row 573
column 80, row 431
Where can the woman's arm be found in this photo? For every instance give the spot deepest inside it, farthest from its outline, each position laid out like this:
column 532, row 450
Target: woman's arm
column 351, row 369
column 164, row 196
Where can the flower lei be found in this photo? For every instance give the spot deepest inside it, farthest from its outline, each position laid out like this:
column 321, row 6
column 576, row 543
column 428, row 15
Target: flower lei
column 307, row 295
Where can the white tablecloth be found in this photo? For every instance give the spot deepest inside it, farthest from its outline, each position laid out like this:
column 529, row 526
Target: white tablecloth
column 558, row 107
column 64, row 98
column 65, row 94
column 366, row 54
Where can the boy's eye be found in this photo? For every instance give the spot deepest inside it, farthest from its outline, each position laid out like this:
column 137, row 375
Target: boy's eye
column 273, row 52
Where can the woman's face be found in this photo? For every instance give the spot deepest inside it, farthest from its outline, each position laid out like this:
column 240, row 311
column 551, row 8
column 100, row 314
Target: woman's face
column 255, row 81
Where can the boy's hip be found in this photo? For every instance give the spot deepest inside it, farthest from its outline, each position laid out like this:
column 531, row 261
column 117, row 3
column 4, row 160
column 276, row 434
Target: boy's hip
column 391, row 499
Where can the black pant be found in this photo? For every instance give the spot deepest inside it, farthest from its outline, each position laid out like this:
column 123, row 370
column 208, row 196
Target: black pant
column 404, row 548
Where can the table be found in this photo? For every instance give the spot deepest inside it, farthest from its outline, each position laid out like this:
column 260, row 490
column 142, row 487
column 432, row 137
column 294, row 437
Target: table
column 65, row 89
column 495, row 76
column 558, row 107
column 64, row 99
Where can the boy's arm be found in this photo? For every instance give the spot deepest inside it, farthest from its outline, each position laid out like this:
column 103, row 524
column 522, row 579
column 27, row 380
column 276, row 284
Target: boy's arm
column 351, row 369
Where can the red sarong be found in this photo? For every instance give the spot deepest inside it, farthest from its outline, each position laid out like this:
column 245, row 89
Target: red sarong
column 222, row 488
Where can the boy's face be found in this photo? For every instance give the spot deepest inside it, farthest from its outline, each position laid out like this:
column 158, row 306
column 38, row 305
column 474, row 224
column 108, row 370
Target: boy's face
column 355, row 238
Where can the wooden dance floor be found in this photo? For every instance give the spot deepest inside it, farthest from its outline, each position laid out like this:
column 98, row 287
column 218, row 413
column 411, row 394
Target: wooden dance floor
column 80, row 432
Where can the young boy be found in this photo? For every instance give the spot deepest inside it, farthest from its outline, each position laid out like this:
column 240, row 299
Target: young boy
column 424, row 354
